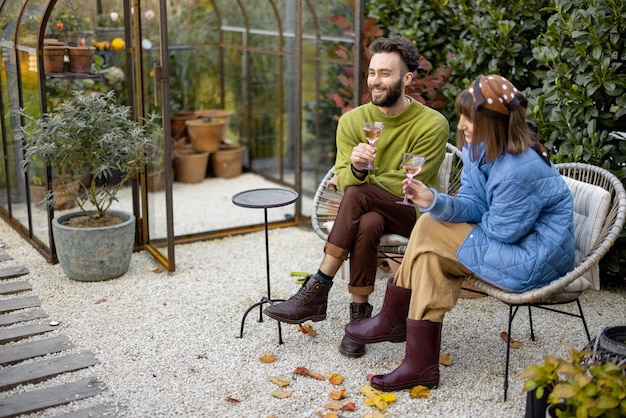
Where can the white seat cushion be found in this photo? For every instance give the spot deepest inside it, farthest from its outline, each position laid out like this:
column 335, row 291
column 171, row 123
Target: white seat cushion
column 591, row 205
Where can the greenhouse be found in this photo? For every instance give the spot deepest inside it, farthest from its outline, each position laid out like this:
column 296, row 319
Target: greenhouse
column 259, row 72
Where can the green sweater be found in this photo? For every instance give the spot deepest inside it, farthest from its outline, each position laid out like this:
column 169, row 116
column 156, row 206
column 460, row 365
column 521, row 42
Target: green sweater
column 418, row 129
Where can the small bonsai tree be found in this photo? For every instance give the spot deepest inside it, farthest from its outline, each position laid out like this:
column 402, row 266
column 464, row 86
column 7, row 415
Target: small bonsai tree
column 91, row 136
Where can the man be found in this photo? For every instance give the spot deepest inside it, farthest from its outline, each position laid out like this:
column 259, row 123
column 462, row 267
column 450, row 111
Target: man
column 369, row 207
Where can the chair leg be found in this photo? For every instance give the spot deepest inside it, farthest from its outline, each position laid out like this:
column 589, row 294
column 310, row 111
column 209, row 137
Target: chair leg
column 508, row 352
column 530, row 319
column 582, row 316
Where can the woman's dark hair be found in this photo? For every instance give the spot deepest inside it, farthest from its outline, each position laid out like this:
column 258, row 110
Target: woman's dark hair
column 408, row 52
column 510, row 134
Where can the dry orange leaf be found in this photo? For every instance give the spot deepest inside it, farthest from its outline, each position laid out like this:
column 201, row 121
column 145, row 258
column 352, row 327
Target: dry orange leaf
column 338, row 394
column 420, row 392
column 334, row 378
column 514, row 344
column 281, row 381
column 369, row 377
column 280, row 393
column 349, row 406
column 303, row 371
column 101, row 300
column 374, row 415
column 329, row 415
column 445, row 360
column 232, row 400
column 267, row 358
column 334, row 405
column 308, row 330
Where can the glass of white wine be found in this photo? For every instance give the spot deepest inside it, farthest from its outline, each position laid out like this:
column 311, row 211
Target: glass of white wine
column 372, row 131
column 411, row 165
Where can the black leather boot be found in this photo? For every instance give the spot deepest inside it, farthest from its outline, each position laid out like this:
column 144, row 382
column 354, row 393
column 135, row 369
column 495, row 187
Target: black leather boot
column 350, row 347
column 309, row 304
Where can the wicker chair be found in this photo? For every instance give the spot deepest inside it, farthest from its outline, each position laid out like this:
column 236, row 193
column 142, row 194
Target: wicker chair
column 599, row 215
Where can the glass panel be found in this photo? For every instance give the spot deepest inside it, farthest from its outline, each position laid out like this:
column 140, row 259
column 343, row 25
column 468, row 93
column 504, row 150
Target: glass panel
column 9, row 15
column 322, row 67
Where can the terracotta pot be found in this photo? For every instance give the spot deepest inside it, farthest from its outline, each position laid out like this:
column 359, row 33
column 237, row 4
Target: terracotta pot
column 179, row 129
column 81, row 58
column 227, row 161
column 156, row 180
column 53, row 58
column 190, row 167
column 205, row 134
column 217, row 115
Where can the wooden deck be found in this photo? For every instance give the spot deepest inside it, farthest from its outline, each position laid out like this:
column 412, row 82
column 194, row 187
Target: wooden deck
column 28, row 355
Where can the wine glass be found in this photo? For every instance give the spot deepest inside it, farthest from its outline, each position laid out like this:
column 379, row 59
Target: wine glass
column 411, row 165
column 372, row 131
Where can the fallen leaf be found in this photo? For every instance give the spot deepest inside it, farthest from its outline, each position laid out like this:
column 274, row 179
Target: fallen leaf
column 267, row 358
column 445, row 360
column 329, row 415
column 338, row 394
column 369, row 391
column 349, row 406
column 420, row 392
column 514, row 344
column 232, row 400
column 281, row 381
column 369, row 377
column 374, row 415
column 334, row 378
column 280, row 393
column 303, row 371
column 381, row 401
column 335, row 405
column 308, row 330
column 101, row 300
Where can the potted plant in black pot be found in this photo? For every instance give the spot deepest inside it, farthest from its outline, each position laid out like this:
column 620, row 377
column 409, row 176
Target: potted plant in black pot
column 93, row 137
column 583, row 385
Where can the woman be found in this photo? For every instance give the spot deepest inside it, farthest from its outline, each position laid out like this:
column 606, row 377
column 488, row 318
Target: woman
column 510, row 224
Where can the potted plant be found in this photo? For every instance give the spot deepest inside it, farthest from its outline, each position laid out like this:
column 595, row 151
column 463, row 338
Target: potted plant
column 580, row 386
column 92, row 137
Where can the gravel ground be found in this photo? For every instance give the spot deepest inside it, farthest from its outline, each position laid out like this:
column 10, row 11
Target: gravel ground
column 167, row 342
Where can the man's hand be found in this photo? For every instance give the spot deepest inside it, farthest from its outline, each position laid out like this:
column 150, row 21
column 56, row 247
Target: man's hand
column 362, row 154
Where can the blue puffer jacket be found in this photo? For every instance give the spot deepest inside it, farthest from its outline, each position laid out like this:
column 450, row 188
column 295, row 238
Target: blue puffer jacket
column 523, row 211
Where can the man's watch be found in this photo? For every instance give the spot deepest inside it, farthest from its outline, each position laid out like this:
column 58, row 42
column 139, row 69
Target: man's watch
column 357, row 170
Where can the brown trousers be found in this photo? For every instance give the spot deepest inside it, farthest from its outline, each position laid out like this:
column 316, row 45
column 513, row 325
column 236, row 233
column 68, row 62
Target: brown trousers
column 366, row 213
column 430, row 268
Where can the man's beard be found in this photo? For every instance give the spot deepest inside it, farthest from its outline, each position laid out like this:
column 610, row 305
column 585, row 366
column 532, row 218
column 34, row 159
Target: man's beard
column 390, row 97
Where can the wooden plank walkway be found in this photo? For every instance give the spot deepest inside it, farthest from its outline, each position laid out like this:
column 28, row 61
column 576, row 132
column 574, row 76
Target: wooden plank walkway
column 19, row 316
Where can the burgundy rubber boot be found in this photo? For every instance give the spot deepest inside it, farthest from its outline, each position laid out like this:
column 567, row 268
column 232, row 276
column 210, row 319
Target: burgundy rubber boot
column 309, row 304
column 350, row 347
column 421, row 360
column 389, row 324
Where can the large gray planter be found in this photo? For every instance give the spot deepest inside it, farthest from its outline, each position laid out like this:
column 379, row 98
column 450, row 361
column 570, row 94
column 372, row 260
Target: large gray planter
column 94, row 254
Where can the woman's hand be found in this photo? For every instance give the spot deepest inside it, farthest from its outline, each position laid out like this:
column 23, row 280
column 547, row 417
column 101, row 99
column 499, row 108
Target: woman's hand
column 418, row 192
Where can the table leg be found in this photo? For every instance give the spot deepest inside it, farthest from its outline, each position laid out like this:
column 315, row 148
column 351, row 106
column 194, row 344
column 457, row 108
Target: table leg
column 268, row 298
